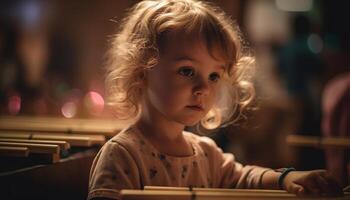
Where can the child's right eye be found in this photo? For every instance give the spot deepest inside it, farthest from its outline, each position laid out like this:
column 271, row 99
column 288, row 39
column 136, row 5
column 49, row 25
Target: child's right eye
column 186, row 71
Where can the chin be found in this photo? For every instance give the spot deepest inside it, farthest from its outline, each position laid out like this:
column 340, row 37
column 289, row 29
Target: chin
column 190, row 122
column 189, row 119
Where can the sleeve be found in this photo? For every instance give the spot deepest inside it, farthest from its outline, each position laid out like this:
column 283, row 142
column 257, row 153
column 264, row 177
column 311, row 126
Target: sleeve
column 113, row 169
column 231, row 174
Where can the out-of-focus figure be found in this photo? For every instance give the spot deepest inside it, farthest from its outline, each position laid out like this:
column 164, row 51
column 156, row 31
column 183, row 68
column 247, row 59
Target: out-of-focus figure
column 300, row 69
column 336, row 123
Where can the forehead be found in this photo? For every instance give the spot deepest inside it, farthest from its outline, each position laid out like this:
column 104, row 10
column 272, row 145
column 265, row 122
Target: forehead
column 176, row 44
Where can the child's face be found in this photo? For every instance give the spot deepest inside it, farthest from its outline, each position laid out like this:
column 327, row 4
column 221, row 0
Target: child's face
column 183, row 85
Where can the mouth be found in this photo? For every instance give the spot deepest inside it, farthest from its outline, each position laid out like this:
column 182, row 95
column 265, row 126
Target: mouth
column 196, row 107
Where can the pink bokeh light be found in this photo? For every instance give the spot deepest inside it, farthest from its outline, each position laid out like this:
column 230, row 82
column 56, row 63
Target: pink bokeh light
column 94, row 102
column 14, row 104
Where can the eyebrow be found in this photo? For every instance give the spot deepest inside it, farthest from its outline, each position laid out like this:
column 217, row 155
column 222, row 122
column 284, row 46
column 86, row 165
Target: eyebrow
column 181, row 58
column 184, row 58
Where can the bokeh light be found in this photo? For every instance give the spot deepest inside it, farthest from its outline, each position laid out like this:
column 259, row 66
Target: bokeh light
column 294, row 6
column 69, row 109
column 315, row 43
column 14, row 104
column 94, row 103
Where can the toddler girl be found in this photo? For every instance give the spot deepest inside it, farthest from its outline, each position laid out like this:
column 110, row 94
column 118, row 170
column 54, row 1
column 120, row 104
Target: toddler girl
column 176, row 63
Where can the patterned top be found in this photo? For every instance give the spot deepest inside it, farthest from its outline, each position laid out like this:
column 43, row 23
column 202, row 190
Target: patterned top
column 129, row 161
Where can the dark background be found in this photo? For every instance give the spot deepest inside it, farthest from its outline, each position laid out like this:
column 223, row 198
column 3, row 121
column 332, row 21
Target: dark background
column 52, row 58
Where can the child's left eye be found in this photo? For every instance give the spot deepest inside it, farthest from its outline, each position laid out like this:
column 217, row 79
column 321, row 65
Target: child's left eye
column 214, row 77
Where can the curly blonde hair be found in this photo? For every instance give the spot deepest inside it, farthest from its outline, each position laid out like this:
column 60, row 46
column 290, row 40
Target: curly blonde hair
column 135, row 48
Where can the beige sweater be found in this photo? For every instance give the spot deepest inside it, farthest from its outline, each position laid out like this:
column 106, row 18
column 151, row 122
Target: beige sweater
column 129, row 161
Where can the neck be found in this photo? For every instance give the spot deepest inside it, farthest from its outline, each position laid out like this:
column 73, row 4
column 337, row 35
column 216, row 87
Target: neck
column 163, row 133
column 155, row 125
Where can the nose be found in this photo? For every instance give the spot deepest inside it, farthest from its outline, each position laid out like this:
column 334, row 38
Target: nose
column 201, row 87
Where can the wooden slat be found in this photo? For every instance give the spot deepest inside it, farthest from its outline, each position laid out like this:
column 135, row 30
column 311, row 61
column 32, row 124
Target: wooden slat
column 97, row 139
column 206, row 195
column 14, row 151
column 106, row 127
column 51, row 152
column 62, row 144
column 155, row 195
column 72, row 139
column 319, row 142
column 211, row 189
column 80, row 141
column 14, row 135
column 35, row 148
column 346, row 189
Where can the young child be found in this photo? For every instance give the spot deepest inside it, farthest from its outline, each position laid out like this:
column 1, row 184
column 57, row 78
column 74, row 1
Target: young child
column 176, row 63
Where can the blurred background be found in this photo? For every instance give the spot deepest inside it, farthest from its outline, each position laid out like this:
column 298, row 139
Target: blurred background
column 52, row 56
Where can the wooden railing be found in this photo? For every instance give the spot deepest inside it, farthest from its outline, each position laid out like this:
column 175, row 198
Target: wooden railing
column 183, row 193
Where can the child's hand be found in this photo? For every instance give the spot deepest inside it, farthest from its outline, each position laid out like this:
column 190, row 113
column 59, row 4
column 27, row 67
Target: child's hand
column 316, row 182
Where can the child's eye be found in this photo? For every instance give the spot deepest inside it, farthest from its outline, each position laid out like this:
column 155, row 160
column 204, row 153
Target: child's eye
column 214, row 77
column 186, row 71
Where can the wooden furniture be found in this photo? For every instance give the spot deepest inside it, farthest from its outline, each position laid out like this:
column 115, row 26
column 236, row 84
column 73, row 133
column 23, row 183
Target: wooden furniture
column 182, row 193
column 14, row 151
column 60, row 125
column 319, row 142
column 338, row 161
column 78, row 140
column 49, row 158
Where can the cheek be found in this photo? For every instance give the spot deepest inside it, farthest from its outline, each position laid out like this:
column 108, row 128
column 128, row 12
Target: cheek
column 175, row 96
column 212, row 94
column 168, row 93
column 168, row 84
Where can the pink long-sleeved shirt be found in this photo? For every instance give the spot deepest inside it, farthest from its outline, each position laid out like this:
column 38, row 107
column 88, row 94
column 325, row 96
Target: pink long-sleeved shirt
column 129, row 161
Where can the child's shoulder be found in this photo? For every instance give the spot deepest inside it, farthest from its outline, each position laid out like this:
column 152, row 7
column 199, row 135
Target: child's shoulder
column 126, row 138
column 202, row 141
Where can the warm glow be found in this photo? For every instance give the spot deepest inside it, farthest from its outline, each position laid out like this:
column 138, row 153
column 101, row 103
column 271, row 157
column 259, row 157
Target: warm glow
column 94, row 102
column 14, row 104
column 69, row 109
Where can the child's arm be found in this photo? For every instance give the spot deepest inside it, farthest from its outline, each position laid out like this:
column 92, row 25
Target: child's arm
column 317, row 182
column 233, row 174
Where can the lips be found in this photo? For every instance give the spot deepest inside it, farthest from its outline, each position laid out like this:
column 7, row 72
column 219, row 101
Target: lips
column 196, row 107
